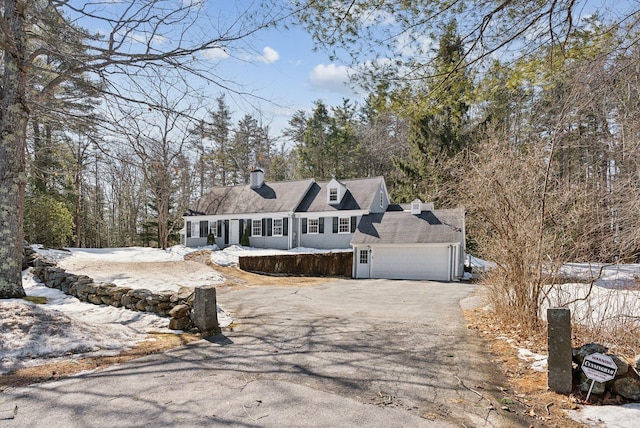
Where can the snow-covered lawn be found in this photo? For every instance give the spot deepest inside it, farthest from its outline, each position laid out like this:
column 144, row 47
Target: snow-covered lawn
column 65, row 327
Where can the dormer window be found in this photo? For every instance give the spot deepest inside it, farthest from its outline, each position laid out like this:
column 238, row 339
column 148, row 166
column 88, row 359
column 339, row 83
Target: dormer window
column 333, row 195
column 335, row 192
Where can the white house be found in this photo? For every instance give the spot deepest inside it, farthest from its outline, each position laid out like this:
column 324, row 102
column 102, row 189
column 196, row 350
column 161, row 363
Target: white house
column 284, row 215
column 388, row 242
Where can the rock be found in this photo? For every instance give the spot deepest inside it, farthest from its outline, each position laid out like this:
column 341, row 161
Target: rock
column 585, row 384
column 95, row 299
column 141, row 305
column 588, row 349
column 628, row 388
column 179, row 311
column 637, row 362
column 186, row 294
column 623, row 366
column 179, row 323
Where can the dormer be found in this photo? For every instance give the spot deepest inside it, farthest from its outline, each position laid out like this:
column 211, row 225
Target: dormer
column 335, row 192
column 256, row 178
column 416, row 207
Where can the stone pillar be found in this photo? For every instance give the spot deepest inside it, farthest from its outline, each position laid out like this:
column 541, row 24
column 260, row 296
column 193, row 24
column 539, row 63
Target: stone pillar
column 559, row 346
column 205, row 314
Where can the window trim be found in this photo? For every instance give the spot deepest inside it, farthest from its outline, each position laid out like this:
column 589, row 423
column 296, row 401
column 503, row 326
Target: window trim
column 275, row 227
column 333, row 194
column 256, row 227
column 344, row 225
column 363, row 258
column 311, row 223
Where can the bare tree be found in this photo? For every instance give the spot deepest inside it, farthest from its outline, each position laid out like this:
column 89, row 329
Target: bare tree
column 129, row 49
column 158, row 137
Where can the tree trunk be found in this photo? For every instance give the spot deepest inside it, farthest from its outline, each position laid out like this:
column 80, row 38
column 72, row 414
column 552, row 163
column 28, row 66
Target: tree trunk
column 13, row 131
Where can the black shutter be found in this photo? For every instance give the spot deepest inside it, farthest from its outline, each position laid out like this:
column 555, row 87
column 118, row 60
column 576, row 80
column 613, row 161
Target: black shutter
column 335, row 225
column 354, row 220
column 226, row 232
column 304, row 225
column 285, row 227
column 264, row 227
column 188, row 229
column 219, row 234
column 321, row 225
column 269, row 227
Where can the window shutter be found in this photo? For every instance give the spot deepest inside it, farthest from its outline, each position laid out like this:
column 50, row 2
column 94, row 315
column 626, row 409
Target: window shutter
column 285, row 226
column 219, row 234
column 304, row 225
column 188, row 229
column 226, row 232
column 354, row 220
column 264, row 227
column 335, row 225
column 321, row 225
column 269, row 227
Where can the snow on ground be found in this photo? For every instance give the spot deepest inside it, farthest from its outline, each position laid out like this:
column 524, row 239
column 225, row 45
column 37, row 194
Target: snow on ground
column 625, row 416
column 65, row 327
column 33, row 334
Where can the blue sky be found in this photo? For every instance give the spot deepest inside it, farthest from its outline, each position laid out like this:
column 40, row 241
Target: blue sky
column 280, row 67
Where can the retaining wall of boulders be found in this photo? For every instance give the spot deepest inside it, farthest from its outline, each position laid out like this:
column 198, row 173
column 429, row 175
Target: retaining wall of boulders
column 177, row 305
column 315, row 264
column 626, row 383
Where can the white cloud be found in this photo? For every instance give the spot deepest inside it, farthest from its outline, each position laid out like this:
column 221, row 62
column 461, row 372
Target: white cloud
column 331, row 78
column 269, row 55
column 216, row 53
column 410, row 45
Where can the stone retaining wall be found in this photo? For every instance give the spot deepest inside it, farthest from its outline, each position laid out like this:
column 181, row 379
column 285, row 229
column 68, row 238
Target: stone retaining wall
column 175, row 304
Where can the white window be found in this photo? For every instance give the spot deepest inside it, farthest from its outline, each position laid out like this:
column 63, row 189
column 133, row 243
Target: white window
column 344, row 225
column 213, row 228
column 195, row 229
column 256, row 229
column 314, row 225
column 364, row 257
column 277, row 227
column 333, row 194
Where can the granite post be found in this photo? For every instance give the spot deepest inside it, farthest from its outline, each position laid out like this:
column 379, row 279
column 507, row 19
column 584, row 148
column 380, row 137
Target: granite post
column 205, row 314
column 559, row 347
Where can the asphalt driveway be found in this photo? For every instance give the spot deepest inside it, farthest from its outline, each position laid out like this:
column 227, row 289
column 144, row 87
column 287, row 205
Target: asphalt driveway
column 346, row 353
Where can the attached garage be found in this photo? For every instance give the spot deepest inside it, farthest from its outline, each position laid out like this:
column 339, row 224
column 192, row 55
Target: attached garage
column 401, row 245
column 417, row 262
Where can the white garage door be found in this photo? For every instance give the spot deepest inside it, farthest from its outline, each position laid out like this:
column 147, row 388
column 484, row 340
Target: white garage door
column 410, row 263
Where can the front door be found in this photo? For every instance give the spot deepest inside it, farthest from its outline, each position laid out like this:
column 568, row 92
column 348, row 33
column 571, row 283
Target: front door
column 234, row 232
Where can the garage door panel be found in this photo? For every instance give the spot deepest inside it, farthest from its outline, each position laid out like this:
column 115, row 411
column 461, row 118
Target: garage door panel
column 411, row 263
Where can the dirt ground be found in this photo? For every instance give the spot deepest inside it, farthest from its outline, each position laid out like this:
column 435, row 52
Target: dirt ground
column 526, row 386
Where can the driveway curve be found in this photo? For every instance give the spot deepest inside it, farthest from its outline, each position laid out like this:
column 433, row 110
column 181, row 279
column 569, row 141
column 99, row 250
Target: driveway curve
column 344, row 353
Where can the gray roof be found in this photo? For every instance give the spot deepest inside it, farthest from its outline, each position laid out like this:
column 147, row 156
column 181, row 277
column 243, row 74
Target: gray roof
column 281, row 196
column 360, row 195
column 402, row 227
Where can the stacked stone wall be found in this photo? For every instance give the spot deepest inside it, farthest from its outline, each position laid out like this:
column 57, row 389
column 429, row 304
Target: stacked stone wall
column 177, row 305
